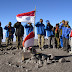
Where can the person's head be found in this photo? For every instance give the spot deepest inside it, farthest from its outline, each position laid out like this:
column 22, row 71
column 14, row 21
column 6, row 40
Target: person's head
column 63, row 21
column 29, row 23
column 57, row 25
column 66, row 22
column 41, row 20
column 0, row 23
column 19, row 23
column 10, row 24
column 48, row 22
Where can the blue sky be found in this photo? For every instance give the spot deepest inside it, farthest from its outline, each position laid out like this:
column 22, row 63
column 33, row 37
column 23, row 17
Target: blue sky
column 52, row 10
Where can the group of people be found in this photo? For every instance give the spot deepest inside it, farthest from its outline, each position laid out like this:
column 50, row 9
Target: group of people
column 58, row 36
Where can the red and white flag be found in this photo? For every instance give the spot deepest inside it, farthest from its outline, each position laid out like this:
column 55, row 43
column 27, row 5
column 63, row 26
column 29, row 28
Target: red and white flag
column 29, row 40
column 26, row 17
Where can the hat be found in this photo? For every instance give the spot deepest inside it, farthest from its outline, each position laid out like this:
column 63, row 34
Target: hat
column 47, row 21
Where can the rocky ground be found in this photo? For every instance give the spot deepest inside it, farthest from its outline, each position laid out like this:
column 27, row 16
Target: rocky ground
column 52, row 60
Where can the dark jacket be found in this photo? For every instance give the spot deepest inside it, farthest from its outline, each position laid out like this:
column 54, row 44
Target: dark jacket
column 19, row 29
column 57, row 33
column 1, row 32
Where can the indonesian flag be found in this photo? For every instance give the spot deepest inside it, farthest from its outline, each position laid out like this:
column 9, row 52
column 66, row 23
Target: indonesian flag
column 71, row 34
column 29, row 40
column 26, row 17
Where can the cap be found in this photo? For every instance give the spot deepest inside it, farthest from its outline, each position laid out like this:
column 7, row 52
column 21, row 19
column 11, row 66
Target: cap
column 47, row 21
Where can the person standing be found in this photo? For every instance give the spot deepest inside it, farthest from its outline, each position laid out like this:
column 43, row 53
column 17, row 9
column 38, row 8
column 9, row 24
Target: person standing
column 65, row 34
column 57, row 32
column 9, row 33
column 19, row 34
column 29, row 28
column 50, row 33
column 1, row 34
column 40, row 32
column 61, row 38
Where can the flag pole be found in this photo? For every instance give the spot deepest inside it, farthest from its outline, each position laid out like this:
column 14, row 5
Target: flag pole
column 34, row 25
column 34, row 20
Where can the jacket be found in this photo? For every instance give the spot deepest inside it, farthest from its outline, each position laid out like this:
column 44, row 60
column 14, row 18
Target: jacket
column 28, row 28
column 1, row 32
column 19, row 29
column 65, row 31
column 40, row 28
column 7, row 31
column 57, row 32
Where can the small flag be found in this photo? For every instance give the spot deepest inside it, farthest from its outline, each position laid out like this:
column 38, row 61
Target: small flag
column 71, row 34
column 29, row 40
column 26, row 17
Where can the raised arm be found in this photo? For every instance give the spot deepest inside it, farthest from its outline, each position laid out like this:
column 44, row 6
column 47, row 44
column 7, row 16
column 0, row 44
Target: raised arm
column 37, row 24
column 26, row 26
column 60, row 27
column 6, row 27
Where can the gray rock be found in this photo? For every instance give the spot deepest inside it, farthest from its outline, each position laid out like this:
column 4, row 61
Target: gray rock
column 45, row 62
column 52, row 56
column 27, row 61
column 43, row 57
column 26, row 70
column 62, row 60
column 38, row 65
column 17, row 65
column 14, row 65
column 10, row 65
column 6, row 53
